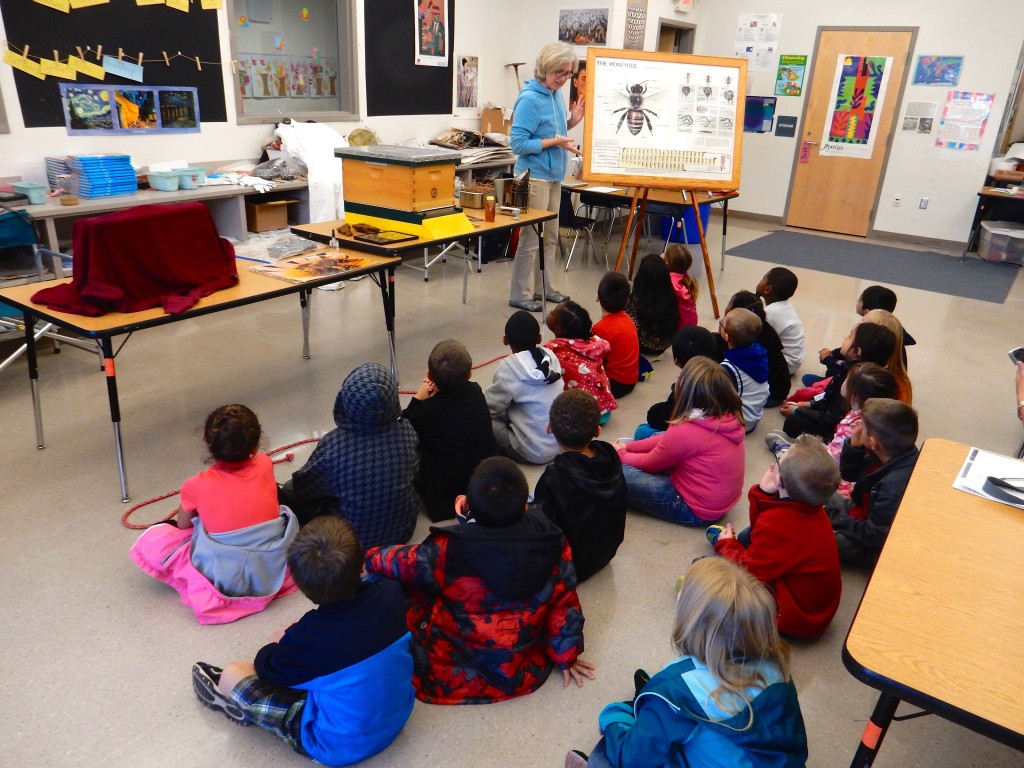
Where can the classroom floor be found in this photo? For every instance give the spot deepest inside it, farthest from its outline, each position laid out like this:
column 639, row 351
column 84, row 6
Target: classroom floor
column 97, row 655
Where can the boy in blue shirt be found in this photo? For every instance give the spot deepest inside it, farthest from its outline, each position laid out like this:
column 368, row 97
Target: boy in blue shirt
column 337, row 684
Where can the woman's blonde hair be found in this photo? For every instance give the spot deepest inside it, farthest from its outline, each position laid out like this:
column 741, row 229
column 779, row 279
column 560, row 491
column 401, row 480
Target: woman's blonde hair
column 725, row 618
column 551, row 57
column 704, row 384
column 895, row 364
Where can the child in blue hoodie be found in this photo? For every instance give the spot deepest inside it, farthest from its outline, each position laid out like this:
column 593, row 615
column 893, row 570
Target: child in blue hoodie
column 538, row 137
column 746, row 361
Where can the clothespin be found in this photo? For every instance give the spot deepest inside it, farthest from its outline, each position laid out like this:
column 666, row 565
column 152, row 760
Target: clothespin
column 99, row 53
column 140, row 58
column 80, row 54
column 25, row 52
column 166, row 60
column 120, row 54
column 56, row 55
column 199, row 64
column 234, row 66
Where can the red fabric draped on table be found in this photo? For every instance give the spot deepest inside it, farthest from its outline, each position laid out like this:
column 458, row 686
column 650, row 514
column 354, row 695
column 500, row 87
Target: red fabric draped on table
column 143, row 257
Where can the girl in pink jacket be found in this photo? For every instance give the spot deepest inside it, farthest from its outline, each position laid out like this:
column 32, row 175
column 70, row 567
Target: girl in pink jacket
column 692, row 474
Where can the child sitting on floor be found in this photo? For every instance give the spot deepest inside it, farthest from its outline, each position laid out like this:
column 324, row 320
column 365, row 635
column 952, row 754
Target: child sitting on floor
column 491, row 601
column 690, row 341
column 789, row 544
column 746, row 362
column 679, row 260
column 777, row 288
column 450, row 416
column 582, row 491
column 581, row 354
column 336, row 685
column 653, row 306
column 896, row 364
column 226, row 556
column 879, row 458
column 622, row 364
column 691, row 474
column 778, row 368
column 728, row 700
column 519, row 398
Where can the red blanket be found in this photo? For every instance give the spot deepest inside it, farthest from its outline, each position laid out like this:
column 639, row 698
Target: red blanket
column 143, row 257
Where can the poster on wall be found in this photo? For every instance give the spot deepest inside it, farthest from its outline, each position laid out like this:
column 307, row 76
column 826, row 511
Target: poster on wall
column 466, row 84
column 938, row 70
column 636, row 25
column 578, row 84
column 789, row 81
column 97, row 110
column 757, row 39
column 859, row 93
column 964, row 119
column 431, row 32
column 583, row 26
column 920, row 116
column 663, row 120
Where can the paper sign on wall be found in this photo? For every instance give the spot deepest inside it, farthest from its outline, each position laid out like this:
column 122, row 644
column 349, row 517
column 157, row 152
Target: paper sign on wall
column 122, row 68
column 86, row 67
column 27, row 66
column 54, row 68
column 60, row 5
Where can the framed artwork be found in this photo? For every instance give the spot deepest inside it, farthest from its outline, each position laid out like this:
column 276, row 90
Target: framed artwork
column 663, row 120
column 111, row 109
column 467, row 71
column 431, row 32
column 938, row 70
column 583, row 26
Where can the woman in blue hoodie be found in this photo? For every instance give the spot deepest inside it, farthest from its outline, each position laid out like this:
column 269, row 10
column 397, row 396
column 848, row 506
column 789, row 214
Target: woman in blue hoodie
column 539, row 127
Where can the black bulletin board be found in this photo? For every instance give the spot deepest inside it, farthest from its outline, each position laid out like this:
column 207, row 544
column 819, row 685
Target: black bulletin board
column 394, row 84
column 149, row 29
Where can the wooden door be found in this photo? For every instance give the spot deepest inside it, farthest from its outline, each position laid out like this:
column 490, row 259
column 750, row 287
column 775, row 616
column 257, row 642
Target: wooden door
column 831, row 191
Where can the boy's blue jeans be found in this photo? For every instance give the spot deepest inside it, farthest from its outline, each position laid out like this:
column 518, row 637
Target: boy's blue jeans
column 655, row 495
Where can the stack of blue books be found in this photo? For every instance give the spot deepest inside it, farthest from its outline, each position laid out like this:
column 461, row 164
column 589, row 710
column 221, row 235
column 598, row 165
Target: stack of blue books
column 55, row 167
column 104, row 175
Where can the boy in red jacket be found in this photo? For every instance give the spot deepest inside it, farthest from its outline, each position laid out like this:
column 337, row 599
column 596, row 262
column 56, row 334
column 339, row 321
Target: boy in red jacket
column 789, row 544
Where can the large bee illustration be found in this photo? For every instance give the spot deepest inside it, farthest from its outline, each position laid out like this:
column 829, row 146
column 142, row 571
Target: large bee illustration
column 635, row 114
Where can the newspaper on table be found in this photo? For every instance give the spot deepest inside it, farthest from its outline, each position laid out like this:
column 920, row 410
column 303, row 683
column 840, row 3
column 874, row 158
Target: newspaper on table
column 978, row 469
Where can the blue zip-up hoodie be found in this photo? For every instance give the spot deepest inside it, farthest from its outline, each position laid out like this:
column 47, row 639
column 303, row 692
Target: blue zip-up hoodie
column 748, row 368
column 539, row 114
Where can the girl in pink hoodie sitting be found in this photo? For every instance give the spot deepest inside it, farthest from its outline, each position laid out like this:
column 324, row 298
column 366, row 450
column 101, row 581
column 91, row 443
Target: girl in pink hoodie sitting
column 581, row 354
column 691, row 474
column 679, row 261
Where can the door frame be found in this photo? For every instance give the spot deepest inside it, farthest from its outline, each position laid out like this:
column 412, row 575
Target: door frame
column 667, row 23
column 907, row 70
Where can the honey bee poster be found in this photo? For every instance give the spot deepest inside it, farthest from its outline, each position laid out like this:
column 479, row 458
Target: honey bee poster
column 664, row 120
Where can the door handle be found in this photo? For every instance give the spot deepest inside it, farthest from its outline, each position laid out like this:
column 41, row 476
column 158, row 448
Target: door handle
column 811, row 142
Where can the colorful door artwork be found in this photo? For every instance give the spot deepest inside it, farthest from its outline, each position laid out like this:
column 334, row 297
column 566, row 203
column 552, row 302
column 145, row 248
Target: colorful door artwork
column 860, row 84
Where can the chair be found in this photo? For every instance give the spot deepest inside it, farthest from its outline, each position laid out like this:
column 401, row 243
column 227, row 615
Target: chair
column 569, row 219
column 607, row 208
column 20, row 250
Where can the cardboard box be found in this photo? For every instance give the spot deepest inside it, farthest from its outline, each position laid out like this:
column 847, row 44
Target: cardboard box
column 1002, row 241
column 493, row 120
column 266, row 215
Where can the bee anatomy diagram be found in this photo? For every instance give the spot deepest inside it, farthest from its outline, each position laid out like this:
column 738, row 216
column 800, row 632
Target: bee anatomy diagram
column 636, row 114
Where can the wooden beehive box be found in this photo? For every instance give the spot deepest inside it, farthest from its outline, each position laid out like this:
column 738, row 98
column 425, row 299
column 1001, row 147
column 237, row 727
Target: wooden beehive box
column 400, row 178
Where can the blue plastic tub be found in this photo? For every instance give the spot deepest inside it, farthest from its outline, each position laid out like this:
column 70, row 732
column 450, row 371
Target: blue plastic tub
column 35, row 191
column 689, row 225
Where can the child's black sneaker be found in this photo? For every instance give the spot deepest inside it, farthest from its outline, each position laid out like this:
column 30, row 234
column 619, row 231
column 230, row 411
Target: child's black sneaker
column 204, row 682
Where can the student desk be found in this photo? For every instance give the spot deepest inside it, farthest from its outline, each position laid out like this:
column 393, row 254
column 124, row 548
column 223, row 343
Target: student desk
column 251, row 288
column 941, row 623
column 992, row 200
column 323, row 232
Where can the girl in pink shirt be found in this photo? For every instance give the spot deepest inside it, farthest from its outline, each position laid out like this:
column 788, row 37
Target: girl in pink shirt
column 691, row 474
column 679, row 261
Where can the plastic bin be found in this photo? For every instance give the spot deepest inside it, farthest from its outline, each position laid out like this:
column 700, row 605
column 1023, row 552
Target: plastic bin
column 689, row 225
column 190, row 178
column 1002, row 241
column 34, row 191
column 164, row 181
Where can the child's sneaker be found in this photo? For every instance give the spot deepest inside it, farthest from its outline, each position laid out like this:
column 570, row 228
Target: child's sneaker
column 575, row 759
column 777, row 442
column 204, row 682
column 713, row 532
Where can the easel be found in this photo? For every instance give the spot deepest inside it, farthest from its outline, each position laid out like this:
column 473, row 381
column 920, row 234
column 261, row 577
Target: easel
column 637, row 208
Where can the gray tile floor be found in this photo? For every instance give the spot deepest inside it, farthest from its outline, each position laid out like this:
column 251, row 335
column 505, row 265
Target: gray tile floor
column 96, row 655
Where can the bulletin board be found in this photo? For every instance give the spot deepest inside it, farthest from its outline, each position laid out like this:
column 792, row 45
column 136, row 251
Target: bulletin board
column 664, row 120
column 118, row 24
column 394, row 84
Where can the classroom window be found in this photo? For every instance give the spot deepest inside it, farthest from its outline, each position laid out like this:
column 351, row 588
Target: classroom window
column 294, row 58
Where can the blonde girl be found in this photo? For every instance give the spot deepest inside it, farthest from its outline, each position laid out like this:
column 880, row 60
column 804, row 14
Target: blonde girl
column 727, row 700
column 895, row 365
column 679, row 260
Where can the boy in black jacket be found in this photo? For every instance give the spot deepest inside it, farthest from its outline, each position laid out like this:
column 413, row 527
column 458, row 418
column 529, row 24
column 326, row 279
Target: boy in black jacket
column 879, row 457
column 583, row 491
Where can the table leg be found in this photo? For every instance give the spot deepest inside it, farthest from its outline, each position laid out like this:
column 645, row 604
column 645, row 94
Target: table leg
column 874, row 731
column 387, row 294
column 33, row 375
column 543, row 273
column 304, row 298
column 979, row 212
column 465, row 269
column 725, row 230
column 115, row 412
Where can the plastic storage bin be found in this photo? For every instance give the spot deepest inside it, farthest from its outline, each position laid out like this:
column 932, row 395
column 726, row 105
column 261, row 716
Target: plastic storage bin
column 165, row 181
column 689, row 225
column 1002, row 241
column 190, row 178
column 34, row 191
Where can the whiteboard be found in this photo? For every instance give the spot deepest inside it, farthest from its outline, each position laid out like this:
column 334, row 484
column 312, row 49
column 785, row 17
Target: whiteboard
column 663, row 120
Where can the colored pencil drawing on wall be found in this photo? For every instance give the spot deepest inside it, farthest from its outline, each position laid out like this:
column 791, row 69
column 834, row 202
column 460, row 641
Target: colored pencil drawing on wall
column 859, row 88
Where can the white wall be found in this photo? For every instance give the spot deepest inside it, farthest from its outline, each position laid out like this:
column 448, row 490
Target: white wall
column 988, row 34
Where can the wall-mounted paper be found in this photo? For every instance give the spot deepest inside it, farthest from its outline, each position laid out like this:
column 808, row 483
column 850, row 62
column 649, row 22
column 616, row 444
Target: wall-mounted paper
column 57, row 69
column 123, row 68
column 87, row 67
column 60, row 5
column 27, row 66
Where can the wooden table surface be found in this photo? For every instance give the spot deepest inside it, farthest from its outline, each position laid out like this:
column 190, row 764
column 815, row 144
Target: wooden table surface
column 943, row 614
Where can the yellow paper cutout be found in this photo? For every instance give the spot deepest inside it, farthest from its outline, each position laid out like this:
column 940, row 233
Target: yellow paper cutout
column 86, row 67
column 56, row 69
column 149, row 2
column 212, row 5
column 60, row 5
column 87, row 3
column 25, row 65
column 178, row 5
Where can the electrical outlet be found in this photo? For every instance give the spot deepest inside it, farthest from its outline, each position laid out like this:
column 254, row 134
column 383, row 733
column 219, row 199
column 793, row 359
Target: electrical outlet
column 896, row 201
column 923, row 204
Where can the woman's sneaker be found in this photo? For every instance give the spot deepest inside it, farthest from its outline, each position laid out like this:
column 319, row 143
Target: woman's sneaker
column 204, row 682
